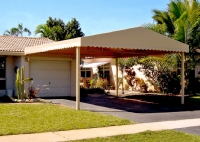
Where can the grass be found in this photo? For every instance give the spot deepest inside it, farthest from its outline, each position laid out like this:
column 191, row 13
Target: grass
column 36, row 118
column 149, row 136
column 195, row 99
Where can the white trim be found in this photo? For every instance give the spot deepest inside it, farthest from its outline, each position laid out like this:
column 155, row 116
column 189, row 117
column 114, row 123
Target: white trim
column 91, row 65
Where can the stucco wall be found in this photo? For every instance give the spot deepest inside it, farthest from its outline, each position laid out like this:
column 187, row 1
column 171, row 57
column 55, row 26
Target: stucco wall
column 9, row 73
column 73, row 78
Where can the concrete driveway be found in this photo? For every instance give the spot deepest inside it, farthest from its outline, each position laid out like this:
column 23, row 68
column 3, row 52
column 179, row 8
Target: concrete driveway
column 132, row 110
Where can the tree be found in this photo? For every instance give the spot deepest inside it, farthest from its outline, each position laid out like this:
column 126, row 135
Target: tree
column 17, row 31
column 51, row 33
column 56, row 29
column 126, row 65
column 181, row 22
column 73, row 29
column 11, row 32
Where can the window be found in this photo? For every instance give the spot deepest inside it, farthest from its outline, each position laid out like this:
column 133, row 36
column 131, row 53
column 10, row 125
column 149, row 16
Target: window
column 104, row 71
column 2, row 74
column 86, row 72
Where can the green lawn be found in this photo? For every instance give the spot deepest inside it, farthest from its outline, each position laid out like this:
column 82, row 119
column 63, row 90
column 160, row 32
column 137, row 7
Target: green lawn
column 35, row 118
column 195, row 99
column 149, row 136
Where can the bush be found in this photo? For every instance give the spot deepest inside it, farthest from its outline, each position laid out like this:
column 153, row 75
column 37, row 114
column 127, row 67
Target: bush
column 169, row 83
column 193, row 86
column 102, row 83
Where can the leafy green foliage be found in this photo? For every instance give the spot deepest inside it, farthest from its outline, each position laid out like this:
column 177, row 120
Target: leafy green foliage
column 56, row 29
column 17, row 31
column 161, row 72
column 181, row 22
column 73, row 29
column 101, row 83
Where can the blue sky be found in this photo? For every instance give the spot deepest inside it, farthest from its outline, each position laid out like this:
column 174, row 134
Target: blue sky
column 94, row 16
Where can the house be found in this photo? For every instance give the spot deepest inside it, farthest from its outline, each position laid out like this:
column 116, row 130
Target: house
column 57, row 64
column 12, row 56
column 106, row 67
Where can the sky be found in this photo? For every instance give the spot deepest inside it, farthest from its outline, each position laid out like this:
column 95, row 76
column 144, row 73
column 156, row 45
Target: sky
column 94, row 16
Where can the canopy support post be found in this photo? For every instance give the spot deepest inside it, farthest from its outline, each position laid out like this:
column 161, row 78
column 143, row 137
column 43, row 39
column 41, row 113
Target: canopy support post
column 116, row 81
column 77, row 78
column 182, row 78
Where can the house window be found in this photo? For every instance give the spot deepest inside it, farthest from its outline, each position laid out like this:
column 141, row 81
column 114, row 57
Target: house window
column 2, row 74
column 104, row 71
column 86, row 72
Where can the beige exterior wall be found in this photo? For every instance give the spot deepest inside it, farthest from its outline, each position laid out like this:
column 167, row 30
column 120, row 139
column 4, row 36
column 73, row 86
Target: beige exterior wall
column 18, row 61
column 73, row 78
column 9, row 73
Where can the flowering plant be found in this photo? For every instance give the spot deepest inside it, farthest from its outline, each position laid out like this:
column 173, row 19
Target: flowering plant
column 102, row 83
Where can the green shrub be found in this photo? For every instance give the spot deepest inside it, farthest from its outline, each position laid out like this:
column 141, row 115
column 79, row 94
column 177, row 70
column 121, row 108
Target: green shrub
column 102, row 83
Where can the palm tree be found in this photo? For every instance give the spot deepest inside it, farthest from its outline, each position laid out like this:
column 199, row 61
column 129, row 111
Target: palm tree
column 182, row 22
column 21, row 29
column 179, row 18
column 11, row 32
column 46, row 31
column 17, row 31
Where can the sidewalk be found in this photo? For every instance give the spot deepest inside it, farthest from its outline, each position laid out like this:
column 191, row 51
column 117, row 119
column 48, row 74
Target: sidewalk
column 100, row 132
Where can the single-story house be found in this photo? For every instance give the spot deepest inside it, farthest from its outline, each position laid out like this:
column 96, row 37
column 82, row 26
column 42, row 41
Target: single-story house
column 57, row 64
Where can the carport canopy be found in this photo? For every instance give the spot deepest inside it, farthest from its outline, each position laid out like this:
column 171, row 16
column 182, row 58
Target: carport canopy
column 118, row 44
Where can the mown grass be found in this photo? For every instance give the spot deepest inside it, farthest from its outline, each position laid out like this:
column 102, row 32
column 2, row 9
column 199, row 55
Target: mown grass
column 36, row 118
column 195, row 99
column 149, row 136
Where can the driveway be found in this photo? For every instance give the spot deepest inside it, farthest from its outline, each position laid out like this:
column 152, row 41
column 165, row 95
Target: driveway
column 141, row 112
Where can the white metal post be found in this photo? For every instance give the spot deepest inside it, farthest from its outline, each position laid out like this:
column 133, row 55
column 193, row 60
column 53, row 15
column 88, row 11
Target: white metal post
column 116, row 83
column 182, row 78
column 77, row 78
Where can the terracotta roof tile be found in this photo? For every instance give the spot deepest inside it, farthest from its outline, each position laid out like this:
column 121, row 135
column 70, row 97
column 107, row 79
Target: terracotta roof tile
column 18, row 44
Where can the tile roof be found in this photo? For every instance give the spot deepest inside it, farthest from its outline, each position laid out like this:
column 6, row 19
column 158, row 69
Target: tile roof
column 18, row 44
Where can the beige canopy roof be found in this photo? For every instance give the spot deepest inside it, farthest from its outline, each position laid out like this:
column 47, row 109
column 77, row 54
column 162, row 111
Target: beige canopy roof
column 124, row 43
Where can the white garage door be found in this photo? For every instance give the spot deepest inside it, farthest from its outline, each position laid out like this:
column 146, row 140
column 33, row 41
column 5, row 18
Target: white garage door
column 54, row 76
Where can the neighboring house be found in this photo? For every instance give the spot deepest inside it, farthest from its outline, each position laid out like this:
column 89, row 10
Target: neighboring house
column 107, row 70
column 105, row 66
column 54, row 72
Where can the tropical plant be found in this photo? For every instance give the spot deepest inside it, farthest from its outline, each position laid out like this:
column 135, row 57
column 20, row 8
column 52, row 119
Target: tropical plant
column 33, row 92
column 19, row 83
column 102, row 83
column 130, row 76
column 94, row 80
column 17, row 31
column 181, row 22
column 56, row 29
